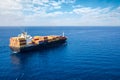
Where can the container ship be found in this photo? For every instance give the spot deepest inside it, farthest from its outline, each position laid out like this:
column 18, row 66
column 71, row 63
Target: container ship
column 25, row 43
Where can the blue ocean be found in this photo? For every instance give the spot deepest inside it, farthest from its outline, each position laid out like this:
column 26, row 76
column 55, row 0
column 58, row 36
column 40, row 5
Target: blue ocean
column 91, row 53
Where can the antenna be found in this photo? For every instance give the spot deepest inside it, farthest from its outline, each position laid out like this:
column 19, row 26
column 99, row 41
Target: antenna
column 22, row 28
column 63, row 34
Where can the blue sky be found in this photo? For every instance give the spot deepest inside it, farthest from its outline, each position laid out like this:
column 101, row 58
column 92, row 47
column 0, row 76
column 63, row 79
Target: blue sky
column 99, row 3
column 60, row 13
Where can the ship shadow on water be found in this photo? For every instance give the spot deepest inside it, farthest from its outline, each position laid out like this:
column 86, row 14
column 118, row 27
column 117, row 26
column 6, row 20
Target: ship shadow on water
column 45, row 49
column 17, row 58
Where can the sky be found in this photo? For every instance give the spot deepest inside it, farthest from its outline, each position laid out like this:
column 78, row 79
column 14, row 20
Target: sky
column 60, row 13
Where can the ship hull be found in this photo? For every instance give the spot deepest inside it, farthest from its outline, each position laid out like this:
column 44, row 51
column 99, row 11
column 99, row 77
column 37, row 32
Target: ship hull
column 38, row 47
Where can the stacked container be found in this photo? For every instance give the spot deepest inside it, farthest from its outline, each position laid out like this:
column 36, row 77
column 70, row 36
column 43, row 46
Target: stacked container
column 17, row 42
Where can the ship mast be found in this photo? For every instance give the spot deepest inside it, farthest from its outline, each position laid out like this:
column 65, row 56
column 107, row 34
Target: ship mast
column 63, row 34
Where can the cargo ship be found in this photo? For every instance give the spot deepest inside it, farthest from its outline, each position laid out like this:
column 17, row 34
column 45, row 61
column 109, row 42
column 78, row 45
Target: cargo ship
column 25, row 43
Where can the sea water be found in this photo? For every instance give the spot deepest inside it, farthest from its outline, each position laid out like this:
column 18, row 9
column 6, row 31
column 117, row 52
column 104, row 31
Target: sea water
column 91, row 53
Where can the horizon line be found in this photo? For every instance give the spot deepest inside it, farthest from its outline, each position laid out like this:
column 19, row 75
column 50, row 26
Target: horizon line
column 59, row 26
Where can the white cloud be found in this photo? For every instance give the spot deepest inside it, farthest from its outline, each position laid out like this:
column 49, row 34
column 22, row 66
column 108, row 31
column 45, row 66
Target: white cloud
column 9, row 5
column 56, row 5
column 84, row 16
column 11, row 20
column 98, row 16
column 47, row 13
column 67, row 1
